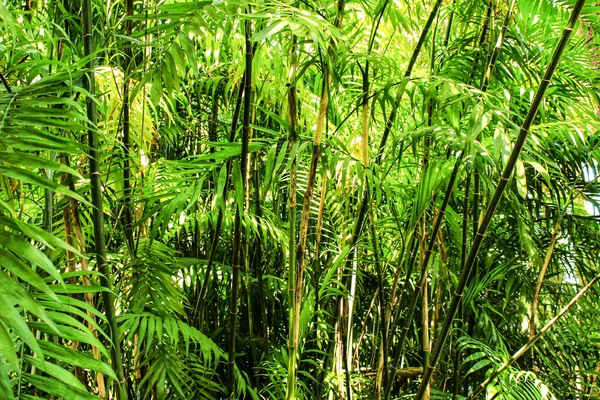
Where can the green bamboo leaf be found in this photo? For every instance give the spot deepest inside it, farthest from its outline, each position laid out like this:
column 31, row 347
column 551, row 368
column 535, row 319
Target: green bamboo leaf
column 7, row 348
column 57, row 388
column 26, row 176
column 84, row 316
column 30, row 138
column 66, row 319
column 18, row 268
column 190, row 53
column 70, row 288
column 15, row 322
column 160, row 383
column 55, row 371
column 478, row 122
column 49, row 112
column 478, row 365
column 38, row 234
column 143, row 332
column 159, row 330
column 475, row 356
column 156, row 90
column 269, row 31
column 178, row 59
column 76, row 274
column 541, row 170
column 183, row 7
column 174, row 380
column 70, row 333
column 18, row 295
column 169, row 74
column 150, row 333
column 221, row 188
column 6, row 383
column 521, row 178
column 269, row 167
column 171, row 329
column 69, row 301
column 76, row 358
column 229, row 150
column 28, row 252
column 37, row 120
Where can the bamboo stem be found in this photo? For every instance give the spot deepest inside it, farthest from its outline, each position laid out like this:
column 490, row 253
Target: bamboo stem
column 489, row 71
column 219, row 223
column 424, row 265
column 510, row 165
column 127, row 191
column 300, row 249
column 427, row 257
column 542, row 274
column 97, row 216
column 237, row 237
column 293, row 118
column 382, row 303
column 463, row 254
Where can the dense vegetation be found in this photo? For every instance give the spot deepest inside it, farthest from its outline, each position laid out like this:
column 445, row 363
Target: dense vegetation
column 350, row 199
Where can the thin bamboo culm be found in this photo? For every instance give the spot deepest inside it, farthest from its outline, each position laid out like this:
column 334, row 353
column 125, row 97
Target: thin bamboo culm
column 97, row 216
column 508, row 170
column 238, row 227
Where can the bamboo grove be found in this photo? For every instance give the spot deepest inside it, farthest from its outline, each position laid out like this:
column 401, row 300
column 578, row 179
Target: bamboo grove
column 348, row 199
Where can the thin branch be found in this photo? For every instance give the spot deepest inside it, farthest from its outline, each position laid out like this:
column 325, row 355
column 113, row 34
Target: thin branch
column 5, row 82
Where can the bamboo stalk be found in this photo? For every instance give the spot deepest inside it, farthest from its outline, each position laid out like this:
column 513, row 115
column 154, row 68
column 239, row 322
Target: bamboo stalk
column 382, row 303
column 313, row 343
column 463, row 254
column 74, row 237
column 253, row 180
column 496, row 52
column 429, row 251
column 424, row 264
column 390, row 121
column 97, row 216
column 407, row 74
column 300, row 261
column 349, row 319
column 127, row 191
column 542, row 274
column 425, row 345
column 475, row 228
column 300, row 265
column 510, row 165
column 293, row 137
column 219, row 223
column 258, row 264
column 237, row 236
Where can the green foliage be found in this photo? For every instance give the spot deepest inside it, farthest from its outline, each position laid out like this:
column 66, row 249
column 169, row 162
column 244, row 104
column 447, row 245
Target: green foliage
column 444, row 122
